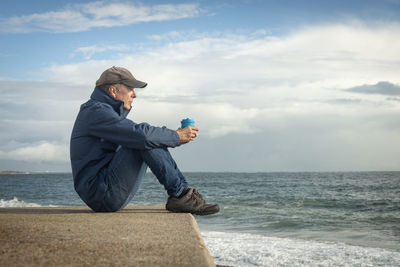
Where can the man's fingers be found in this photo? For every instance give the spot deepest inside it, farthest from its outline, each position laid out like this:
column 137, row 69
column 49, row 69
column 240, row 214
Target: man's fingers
column 194, row 134
column 193, row 128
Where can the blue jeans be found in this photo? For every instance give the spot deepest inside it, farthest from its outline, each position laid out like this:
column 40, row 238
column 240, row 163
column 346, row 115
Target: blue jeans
column 126, row 171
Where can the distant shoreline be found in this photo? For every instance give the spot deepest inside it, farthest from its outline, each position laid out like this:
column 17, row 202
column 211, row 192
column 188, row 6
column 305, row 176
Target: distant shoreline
column 31, row 172
column 10, row 172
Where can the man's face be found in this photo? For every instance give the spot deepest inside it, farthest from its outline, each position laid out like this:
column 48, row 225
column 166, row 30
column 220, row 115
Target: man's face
column 125, row 94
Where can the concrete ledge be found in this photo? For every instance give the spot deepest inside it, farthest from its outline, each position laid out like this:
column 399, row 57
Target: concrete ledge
column 76, row 236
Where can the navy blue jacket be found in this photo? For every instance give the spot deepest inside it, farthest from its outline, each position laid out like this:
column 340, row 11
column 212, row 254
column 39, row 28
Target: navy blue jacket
column 101, row 127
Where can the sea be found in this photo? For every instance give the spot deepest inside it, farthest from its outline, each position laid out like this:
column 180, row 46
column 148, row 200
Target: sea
column 266, row 219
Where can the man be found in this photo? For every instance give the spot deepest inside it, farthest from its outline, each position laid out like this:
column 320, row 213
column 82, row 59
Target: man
column 110, row 153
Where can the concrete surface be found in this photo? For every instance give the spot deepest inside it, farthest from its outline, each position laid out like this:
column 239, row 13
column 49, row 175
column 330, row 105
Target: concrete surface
column 76, row 236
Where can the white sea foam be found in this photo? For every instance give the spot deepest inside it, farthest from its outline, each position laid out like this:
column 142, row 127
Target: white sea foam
column 16, row 203
column 243, row 249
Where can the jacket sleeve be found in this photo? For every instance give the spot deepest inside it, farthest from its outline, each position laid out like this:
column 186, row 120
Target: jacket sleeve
column 105, row 123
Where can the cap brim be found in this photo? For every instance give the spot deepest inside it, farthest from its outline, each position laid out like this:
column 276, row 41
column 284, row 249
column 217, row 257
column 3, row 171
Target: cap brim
column 134, row 83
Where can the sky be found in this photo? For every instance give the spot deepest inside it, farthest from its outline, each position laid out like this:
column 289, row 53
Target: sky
column 272, row 85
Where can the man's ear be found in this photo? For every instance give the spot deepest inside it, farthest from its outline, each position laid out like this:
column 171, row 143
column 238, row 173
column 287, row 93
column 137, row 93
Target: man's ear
column 112, row 91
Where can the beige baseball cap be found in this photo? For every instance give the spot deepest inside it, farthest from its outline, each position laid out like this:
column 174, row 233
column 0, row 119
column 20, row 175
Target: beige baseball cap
column 115, row 75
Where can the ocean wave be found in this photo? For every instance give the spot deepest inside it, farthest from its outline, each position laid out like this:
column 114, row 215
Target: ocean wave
column 16, row 203
column 244, row 249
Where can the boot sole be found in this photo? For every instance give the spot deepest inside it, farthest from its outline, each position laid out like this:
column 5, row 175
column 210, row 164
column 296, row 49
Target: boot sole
column 201, row 213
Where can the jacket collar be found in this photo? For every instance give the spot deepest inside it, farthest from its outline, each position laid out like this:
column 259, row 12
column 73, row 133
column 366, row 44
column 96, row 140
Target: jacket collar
column 101, row 96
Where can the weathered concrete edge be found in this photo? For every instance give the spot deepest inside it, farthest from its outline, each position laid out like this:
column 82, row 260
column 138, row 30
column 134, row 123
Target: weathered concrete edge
column 207, row 254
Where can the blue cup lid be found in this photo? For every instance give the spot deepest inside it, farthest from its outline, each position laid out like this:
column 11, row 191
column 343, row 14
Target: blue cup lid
column 187, row 120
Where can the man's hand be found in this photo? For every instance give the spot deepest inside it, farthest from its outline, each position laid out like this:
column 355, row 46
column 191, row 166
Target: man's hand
column 187, row 134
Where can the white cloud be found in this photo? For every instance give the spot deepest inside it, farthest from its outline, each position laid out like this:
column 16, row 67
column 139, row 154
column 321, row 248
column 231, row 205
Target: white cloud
column 39, row 152
column 339, row 55
column 89, row 51
column 82, row 17
column 214, row 119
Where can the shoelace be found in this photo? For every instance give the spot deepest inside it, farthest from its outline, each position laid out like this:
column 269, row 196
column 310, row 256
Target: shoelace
column 197, row 193
column 198, row 196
